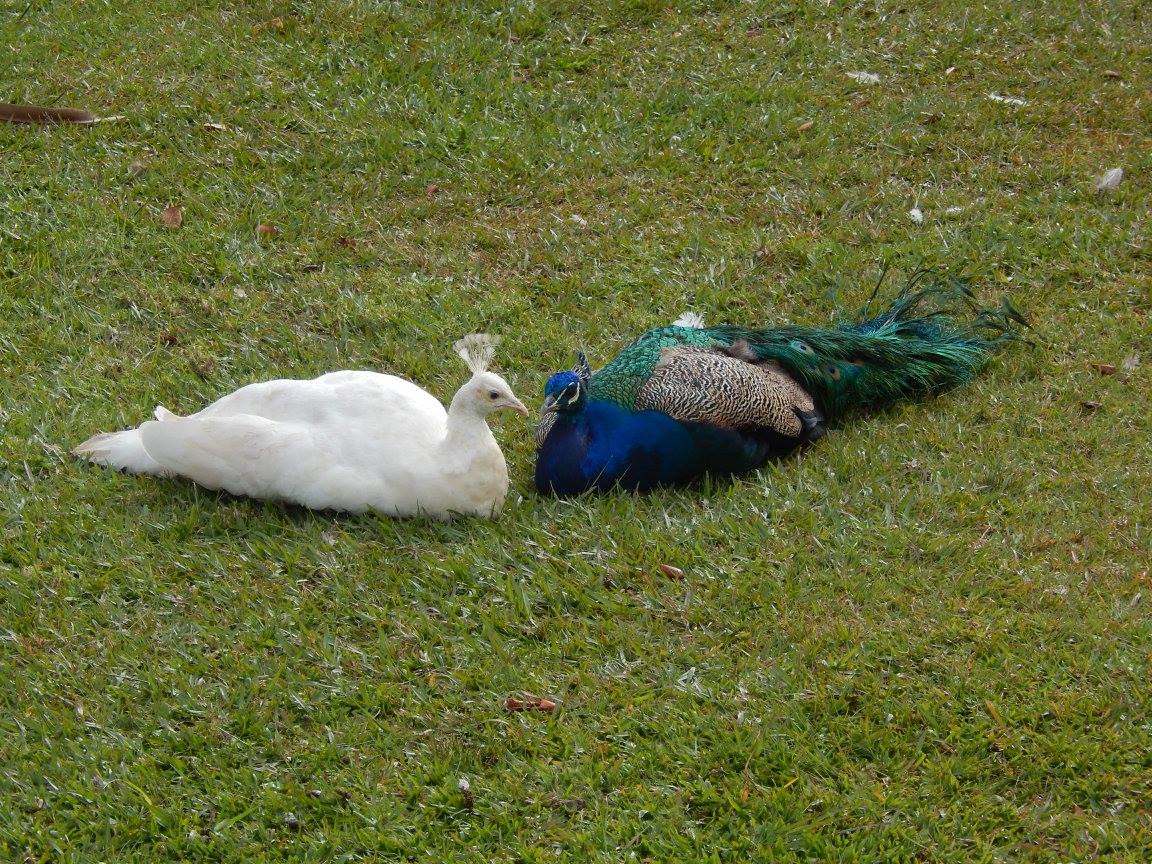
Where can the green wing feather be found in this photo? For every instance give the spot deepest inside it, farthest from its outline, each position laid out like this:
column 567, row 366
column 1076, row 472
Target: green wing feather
column 917, row 347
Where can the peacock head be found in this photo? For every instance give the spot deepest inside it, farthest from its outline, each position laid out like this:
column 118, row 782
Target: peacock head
column 486, row 391
column 566, row 392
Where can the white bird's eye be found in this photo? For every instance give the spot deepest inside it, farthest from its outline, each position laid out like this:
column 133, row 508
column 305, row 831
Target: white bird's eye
column 493, row 394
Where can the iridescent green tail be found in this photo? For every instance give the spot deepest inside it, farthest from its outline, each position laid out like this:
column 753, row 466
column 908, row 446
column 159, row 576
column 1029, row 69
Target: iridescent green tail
column 932, row 338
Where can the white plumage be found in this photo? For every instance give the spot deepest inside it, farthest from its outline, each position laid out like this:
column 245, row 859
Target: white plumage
column 689, row 319
column 347, row 441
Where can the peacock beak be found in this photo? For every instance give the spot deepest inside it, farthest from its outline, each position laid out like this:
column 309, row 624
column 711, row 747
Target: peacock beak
column 549, row 406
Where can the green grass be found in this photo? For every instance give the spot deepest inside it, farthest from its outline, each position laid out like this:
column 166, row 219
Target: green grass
column 927, row 639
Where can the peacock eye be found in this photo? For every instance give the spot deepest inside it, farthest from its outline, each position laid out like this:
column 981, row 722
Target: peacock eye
column 492, row 394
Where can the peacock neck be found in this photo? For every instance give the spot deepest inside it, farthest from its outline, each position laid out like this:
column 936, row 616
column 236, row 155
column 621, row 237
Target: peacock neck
column 467, row 432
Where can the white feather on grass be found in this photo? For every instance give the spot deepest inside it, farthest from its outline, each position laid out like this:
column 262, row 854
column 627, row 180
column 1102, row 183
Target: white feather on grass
column 477, row 350
column 1111, row 180
column 864, row 77
column 689, row 319
column 1008, row 100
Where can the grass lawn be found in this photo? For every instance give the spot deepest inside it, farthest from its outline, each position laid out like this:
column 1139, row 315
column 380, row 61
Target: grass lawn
column 927, row 639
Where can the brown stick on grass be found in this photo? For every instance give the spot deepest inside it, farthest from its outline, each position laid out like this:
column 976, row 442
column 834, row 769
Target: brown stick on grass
column 41, row 114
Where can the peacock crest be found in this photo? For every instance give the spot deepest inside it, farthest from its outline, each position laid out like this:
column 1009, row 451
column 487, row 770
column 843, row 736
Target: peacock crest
column 582, row 369
column 477, row 351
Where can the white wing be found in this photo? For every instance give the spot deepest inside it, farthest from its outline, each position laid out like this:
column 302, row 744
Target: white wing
column 241, row 453
column 321, row 443
column 338, row 397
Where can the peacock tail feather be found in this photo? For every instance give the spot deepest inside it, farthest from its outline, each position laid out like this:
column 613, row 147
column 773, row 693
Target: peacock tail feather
column 931, row 338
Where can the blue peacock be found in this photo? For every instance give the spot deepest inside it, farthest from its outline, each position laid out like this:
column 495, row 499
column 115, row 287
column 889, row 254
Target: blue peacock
column 688, row 400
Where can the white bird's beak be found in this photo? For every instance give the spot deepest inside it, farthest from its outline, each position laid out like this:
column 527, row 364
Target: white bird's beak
column 517, row 406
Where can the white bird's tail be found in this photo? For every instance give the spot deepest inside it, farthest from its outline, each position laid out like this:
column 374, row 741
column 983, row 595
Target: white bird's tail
column 124, row 450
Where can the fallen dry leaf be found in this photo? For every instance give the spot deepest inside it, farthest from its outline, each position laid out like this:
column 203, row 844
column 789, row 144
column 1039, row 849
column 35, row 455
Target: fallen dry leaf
column 216, row 127
column 861, row 102
column 1104, row 368
column 276, row 23
column 1111, row 73
column 431, row 189
column 804, row 127
column 173, row 217
column 137, row 168
column 265, row 230
column 670, row 571
column 1091, row 407
column 529, row 703
column 44, row 114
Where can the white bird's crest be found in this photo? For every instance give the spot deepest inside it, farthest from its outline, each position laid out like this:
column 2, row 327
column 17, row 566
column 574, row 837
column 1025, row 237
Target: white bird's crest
column 689, row 319
column 477, row 350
